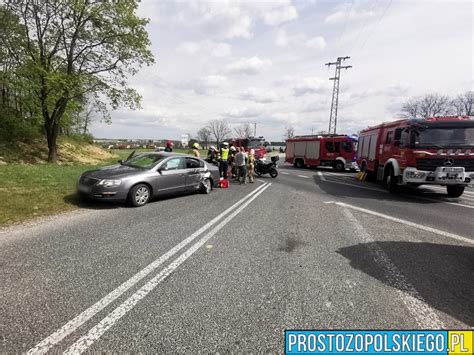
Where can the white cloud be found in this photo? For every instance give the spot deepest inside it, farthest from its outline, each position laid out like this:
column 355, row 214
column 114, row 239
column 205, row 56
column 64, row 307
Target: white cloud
column 282, row 39
column 259, row 95
column 349, row 14
column 249, row 66
column 217, row 49
column 280, row 15
column 206, row 85
column 311, row 85
column 244, row 112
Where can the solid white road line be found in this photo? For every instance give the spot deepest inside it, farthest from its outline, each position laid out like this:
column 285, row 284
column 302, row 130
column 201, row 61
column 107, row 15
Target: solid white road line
column 284, row 172
column 107, row 322
column 408, row 223
column 405, row 195
column 321, row 176
column 440, row 200
column 303, row 176
column 424, row 315
column 47, row 343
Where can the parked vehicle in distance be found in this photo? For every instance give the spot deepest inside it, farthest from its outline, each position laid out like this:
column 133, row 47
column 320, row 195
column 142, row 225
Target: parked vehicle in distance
column 337, row 151
column 258, row 144
column 435, row 151
column 263, row 167
column 144, row 176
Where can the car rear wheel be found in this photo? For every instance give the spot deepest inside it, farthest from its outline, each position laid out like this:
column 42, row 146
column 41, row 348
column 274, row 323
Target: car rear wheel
column 206, row 186
column 139, row 195
column 455, row 190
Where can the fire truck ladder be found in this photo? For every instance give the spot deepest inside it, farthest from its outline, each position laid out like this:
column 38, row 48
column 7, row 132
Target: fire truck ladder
column 335, row 91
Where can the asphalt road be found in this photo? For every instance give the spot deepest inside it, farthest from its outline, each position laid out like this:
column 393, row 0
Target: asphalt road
column 230, row 271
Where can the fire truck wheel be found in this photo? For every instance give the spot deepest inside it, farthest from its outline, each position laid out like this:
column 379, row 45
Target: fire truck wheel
column 391, row 181
column 455, row 190
column 339, row 166
column 299, row 163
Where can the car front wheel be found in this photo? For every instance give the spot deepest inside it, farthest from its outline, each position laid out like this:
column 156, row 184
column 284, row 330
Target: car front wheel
column 139, row 195
column 206, row 186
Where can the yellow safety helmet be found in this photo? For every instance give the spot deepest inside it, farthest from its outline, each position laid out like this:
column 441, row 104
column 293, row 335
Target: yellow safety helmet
column 195, row 145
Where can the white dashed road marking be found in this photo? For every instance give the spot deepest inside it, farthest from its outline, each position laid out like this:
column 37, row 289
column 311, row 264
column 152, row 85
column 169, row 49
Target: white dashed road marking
column 303, row 176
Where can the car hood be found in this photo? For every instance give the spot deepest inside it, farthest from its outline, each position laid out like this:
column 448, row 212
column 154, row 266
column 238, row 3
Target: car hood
column 113, row 172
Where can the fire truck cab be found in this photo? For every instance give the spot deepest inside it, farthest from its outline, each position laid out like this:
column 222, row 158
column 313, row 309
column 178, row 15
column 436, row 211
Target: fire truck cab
column 415, row 152
column 337, row 151
column 255, row 143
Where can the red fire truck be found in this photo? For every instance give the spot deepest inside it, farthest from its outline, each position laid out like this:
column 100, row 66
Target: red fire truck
column 255, row 143
column 414, row 152
column 337, row 151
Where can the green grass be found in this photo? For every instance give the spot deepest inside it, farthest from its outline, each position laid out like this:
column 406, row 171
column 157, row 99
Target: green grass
column 36, row 190
column 29, row 191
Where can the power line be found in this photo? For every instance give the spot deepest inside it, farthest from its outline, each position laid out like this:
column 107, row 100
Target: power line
column 363, row 26
column 345, row 22
column 376, row 25
column 335, row 91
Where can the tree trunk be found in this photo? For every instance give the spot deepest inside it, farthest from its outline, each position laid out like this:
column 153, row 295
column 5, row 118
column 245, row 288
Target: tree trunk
column 52, row 132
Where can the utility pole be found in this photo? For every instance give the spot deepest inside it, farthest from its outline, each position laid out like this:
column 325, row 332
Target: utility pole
column 335, row 91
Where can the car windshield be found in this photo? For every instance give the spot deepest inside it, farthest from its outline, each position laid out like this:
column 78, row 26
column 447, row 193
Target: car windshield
column 445, row 137
column 144, row 161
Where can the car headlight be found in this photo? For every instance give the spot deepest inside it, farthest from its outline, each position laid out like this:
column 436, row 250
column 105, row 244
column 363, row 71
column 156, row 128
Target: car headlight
column 109, row 183
column 415, row 174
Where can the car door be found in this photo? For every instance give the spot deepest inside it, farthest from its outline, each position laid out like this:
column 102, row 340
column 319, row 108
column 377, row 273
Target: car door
column 171, row 178
column 194, row 170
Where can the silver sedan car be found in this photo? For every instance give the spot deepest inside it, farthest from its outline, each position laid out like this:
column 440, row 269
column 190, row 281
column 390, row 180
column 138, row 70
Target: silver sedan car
column 148, row 175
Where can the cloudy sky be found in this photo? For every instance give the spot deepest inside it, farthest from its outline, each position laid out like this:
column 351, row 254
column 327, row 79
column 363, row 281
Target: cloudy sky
column 263, row 61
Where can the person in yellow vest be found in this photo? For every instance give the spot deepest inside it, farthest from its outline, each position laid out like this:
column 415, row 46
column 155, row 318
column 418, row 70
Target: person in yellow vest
column 223, row 159
column 195, row 150
column 251, row 165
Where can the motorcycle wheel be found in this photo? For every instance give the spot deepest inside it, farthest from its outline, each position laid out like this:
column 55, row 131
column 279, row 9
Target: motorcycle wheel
column 273, row 173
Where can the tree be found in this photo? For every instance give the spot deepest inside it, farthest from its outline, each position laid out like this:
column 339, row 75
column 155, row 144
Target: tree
column 244, row 130
column 463, row 105
column 289, row 132
column 430, row 105
column 219, row 130
column 74, row 48
column 204, row 136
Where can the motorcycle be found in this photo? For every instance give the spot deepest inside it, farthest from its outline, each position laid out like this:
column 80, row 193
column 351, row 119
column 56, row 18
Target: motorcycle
column 263, row 167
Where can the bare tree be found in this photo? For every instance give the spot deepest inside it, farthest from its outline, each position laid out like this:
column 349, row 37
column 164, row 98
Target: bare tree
column 219, row 129
column 204, row 136
column 244, row 130
column 463, row 105
column 430, row 105
column 289, row 131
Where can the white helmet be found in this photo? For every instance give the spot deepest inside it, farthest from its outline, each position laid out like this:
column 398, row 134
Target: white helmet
column 225, row 144
column 212, row 147
column 252, row 151
column 232, row 148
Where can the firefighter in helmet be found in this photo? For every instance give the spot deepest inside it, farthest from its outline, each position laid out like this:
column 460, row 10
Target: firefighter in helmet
column 169, row 146
column 195, row 150
column 223, row 159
